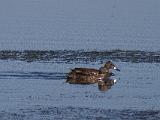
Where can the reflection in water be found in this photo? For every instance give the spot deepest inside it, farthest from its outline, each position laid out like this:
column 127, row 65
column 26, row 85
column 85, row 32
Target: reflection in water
column 105, row 84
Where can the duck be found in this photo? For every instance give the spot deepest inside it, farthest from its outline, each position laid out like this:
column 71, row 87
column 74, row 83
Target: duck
column 87, row 77
column 90, row 75
column 107, row 66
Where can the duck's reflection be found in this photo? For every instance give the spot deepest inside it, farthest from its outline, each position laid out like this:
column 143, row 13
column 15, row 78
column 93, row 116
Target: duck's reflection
column 105, row 84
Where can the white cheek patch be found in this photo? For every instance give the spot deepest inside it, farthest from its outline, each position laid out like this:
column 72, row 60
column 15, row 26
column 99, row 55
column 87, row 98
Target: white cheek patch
column 114, row 68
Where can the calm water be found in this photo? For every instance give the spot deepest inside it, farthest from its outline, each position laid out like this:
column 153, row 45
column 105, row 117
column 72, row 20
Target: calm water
column 40, row 41
column 80, row 24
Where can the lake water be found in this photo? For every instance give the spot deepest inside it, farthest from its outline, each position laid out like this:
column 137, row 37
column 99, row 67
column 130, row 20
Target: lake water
column 40, row 41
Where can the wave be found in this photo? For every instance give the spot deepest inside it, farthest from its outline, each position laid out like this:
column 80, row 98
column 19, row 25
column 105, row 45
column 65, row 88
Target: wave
column 68, row 113
column 69, row 56
column 32, row 75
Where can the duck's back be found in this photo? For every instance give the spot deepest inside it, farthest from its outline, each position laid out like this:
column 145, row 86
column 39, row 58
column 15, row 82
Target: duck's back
column 85, row 71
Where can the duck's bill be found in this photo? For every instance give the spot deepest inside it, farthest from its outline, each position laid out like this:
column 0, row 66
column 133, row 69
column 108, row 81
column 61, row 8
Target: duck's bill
column 115, row 68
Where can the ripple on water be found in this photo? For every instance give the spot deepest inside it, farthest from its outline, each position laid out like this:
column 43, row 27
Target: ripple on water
column 40, row 112
column 68, row 56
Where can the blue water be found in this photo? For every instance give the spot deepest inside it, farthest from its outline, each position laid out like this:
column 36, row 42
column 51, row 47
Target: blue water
column 80, row 24
column 60, row 35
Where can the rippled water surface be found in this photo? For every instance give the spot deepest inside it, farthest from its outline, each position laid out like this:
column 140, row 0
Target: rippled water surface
column 41, row 40
column 32, row 85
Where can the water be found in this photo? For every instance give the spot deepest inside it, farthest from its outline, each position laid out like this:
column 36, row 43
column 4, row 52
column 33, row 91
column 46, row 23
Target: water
column 33, row 86
column 79, row 24
column 40, row 41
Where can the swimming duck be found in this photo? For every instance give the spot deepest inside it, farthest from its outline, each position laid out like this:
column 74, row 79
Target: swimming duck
column 90, row 71
column 87, row 77
column 90, row 75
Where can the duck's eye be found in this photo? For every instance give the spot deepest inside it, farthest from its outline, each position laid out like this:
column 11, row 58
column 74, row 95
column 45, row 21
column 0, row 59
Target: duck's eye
column 112, row 64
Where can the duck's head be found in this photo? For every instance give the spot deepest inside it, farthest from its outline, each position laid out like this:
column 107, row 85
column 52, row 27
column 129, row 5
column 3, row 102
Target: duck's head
column 103, row 70
column 109, row 65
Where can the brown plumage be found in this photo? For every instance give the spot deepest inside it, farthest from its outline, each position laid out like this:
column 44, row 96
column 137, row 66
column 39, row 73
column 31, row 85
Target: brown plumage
column 78, row 78
column 90, row 75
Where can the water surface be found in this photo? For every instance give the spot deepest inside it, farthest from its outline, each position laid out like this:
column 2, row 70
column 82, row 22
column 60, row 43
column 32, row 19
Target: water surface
column 80, row 24
column 41, row 40
column 31, row 85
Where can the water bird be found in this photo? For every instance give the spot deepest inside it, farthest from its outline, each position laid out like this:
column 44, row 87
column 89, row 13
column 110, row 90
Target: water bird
column 90, row 75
